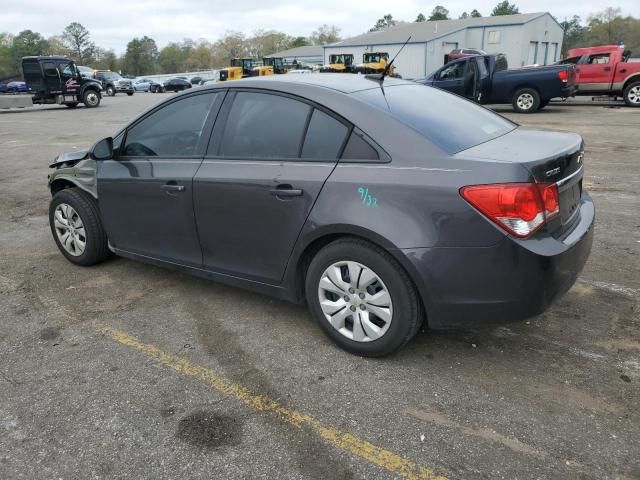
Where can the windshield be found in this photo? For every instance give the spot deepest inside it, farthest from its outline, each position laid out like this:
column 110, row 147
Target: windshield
column 449, row 121
column 374, row 57
column 340, row 59
column 111, row 76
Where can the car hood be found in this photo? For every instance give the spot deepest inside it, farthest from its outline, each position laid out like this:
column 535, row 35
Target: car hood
column 69, row 158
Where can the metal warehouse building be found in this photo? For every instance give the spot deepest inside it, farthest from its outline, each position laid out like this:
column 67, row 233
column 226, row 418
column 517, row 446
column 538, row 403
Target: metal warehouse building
column 525, row 39
column 311, row 55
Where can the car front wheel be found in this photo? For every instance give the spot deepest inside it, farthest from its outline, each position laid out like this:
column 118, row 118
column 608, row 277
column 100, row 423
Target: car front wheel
column 76, row 227
column 111, row 91
column 362, row 298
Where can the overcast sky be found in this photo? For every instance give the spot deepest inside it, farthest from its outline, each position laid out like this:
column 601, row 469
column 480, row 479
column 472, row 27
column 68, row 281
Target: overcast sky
column 112, row 24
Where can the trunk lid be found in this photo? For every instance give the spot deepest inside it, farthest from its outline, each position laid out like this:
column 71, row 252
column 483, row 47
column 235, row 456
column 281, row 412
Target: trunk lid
column 550, row 157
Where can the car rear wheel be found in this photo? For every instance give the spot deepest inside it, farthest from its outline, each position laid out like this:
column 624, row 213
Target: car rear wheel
column 75, row 223
column 631, row 94
column 362, row 298
column 91, row 99
column 526, row 100
column 130, row 93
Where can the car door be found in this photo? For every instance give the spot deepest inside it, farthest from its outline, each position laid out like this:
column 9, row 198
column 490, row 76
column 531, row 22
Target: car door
column 51, row 77
column 146, row 191
column 268, row 159
column 595, row 74
column 69, row 77
column 451, row 77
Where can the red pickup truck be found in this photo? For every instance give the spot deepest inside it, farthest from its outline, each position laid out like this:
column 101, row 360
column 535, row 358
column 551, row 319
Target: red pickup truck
column 605, row 70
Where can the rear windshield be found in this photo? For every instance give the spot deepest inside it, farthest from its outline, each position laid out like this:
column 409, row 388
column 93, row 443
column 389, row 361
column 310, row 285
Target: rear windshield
column 449, row 121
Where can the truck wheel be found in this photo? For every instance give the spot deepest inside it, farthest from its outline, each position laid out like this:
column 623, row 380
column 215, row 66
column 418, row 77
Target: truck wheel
column 111, row 91
column 72, row 104
column 631, row 94
column 91, row 99
column 77, row 228
column 526, row 100
column 129, row 93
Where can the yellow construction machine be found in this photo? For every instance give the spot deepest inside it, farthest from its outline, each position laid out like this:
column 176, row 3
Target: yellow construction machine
column 242, row 68
column 375, row 62
column 339, row 63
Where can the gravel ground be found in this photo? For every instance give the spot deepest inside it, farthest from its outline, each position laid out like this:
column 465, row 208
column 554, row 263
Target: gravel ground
column 125, row 370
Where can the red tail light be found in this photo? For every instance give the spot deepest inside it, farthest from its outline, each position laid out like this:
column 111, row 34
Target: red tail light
column 518, row 208
column 563, row 75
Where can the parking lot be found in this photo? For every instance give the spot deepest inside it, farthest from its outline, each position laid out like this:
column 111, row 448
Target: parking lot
column 126, row 370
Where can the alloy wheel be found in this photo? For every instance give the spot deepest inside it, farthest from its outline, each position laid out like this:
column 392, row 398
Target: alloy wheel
column 355, row 301
column 634, row 94
column 525, row 101
column 70, row 229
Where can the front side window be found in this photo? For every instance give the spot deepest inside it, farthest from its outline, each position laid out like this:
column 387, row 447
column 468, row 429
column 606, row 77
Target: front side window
column 599, row 59
column 68, row 69
column 262, row 125
column 172, row 131
column 450, row 72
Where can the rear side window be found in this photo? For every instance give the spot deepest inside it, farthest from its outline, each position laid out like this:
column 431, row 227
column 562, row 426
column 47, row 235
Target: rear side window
column 448, row 121
column 325, row 137
column 455, row 70
column 172, row 131
column 359, row 149
column 262, row 125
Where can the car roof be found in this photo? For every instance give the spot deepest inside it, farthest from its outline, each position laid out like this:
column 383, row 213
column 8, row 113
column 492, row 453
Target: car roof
column 341, row 82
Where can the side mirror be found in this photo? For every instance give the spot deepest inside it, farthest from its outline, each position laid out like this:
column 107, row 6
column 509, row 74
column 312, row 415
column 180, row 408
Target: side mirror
column 103, row 150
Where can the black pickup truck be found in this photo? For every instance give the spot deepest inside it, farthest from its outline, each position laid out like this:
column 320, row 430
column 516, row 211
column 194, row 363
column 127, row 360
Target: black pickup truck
column 486, row 79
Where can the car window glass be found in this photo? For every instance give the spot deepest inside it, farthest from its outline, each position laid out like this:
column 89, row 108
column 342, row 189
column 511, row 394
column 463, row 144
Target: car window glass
column 325, row 136
column 264, row 125
column 359, row 149
column 599, row 59
column 455, row 70
column 172, row 131
column 448, row 121
column 68, row 70
column 50, row 69
column 482, row 66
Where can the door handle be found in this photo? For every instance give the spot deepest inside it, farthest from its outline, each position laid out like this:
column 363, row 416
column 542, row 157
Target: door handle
column 624, row 70
column 607, row 69
column 173, row 187
column 286, row 191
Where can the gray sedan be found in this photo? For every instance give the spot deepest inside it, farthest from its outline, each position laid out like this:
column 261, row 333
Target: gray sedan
column 382, row 205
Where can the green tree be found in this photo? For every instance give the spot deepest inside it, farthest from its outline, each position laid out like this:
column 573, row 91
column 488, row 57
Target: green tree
column 7, row 64
column 475, row 13
column 325, row 34
column 384, row 22
column 56, row 46
column 232, row 45
column 298, row 42
column 573, row 33
column 267, row 42
column 610, row 27
column 78, row 39
column 505, row 8
column 106, row 60
column 200, row 56
column 439, row 13
column 141, row 56
column 464, row 15
column 27, row 43
column 420, row 18
column 171, row 59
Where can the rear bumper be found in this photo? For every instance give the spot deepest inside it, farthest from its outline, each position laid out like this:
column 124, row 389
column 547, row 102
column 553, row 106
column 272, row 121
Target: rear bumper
column 510, row 281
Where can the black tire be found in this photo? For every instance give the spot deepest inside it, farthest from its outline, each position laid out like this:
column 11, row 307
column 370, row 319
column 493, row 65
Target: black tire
column 130, row 93
column 72, row 104
column 91, row 98
column 631, row 94
column 110, row 91
column 526, row 100
column 96, row 248
column 543, row 103
column 407, row 307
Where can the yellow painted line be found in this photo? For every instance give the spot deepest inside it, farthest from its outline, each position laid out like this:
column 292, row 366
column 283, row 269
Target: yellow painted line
column 386, row 459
